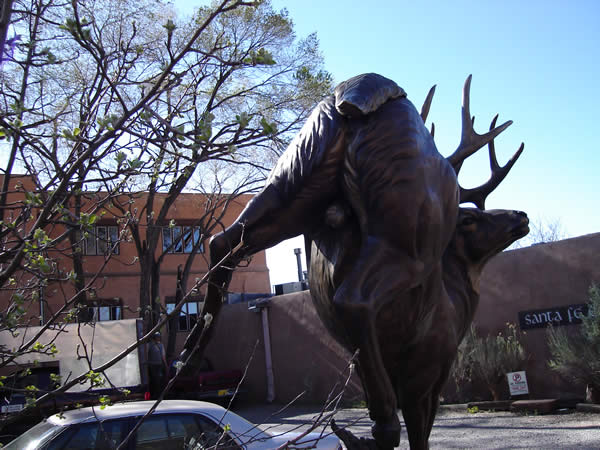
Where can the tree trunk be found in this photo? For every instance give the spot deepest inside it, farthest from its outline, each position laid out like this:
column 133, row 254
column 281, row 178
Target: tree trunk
column 172, row 339
column 5, row 13
column 77, row 257
column 145, row 291
column 155, row 300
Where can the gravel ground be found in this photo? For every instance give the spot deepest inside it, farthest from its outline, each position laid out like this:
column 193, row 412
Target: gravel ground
column 458, row 429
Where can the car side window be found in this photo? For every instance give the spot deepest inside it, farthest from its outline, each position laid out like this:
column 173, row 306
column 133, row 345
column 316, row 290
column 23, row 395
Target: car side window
column 153, row 434
column 90, row 436
column 182, row 429
column 181, row 432
column 111, row 433
column 212, row 436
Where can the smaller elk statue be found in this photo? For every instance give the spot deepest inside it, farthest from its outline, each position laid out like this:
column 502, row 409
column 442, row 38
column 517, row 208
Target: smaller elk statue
column 395, row 262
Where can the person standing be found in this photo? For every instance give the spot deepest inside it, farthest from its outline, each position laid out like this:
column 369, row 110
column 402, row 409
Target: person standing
column 157, row 366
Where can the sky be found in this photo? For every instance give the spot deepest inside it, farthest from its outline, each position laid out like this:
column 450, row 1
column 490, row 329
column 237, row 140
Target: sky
column 536, row 63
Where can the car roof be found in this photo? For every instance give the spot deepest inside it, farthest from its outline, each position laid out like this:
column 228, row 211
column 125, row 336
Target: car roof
column 130, row 409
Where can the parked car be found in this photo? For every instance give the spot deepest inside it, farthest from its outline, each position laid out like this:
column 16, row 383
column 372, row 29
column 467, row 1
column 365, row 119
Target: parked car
column 176, row 424
column 206, row 384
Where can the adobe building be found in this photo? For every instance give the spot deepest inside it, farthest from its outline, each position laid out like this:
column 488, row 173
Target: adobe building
column 116, row 291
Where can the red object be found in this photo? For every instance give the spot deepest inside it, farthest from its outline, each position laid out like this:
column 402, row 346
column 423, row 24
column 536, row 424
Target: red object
column 146, row 395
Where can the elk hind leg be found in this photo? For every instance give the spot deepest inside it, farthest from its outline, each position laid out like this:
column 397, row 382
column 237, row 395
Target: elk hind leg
column 380, row 394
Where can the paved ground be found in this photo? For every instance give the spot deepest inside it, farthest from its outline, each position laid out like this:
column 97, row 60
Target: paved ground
column 457, row 429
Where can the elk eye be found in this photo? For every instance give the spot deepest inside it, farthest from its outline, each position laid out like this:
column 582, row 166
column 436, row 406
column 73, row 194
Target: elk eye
column 468, row 221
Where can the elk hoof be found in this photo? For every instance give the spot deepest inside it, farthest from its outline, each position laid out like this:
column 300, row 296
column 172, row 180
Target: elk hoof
column 351, row 442
column 387, row 433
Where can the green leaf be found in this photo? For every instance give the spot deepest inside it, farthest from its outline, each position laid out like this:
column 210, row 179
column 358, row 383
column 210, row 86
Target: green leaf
column 134, row 163
column 120, row 157
column 205, row 127
column 261, row 57
column 169, row 26
column 68, row 134
column 269, row 129
column 41, row 236
column 31, row 198
column 243, row 119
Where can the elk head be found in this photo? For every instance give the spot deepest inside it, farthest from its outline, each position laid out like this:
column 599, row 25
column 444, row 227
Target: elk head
column 482, row 234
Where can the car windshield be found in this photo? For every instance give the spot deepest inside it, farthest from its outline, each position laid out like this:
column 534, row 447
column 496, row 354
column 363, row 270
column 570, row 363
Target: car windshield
column 34, row 436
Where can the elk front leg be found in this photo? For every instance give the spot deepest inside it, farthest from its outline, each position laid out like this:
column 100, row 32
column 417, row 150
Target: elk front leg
column 263, row 223
column 222, row 261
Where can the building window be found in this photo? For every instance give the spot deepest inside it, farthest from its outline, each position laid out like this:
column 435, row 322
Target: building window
column 182, row 239
column 101, row 239
column 104, row 312
column 188, row 315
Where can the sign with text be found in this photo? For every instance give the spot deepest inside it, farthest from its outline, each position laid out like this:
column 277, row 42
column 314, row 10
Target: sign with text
column 517, row 383
column 557, row 316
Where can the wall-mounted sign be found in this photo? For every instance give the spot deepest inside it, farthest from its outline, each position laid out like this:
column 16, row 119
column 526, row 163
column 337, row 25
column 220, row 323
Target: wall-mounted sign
column 557, row 316
column 517, row 383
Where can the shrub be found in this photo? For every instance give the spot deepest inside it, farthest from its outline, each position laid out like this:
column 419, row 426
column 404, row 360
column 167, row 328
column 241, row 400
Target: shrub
column 576, row 355
column 488, row 359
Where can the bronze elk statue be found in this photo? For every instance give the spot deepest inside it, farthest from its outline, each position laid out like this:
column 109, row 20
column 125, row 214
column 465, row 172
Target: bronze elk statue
column 395, row 262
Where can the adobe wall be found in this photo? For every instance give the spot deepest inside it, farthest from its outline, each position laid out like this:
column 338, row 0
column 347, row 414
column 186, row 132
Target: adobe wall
column 306, row 358
column 540, row 277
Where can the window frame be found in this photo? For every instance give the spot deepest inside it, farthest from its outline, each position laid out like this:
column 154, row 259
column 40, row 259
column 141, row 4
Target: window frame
column 97, row 310
column 185, row 316
column 101, row 239
column 181, row 239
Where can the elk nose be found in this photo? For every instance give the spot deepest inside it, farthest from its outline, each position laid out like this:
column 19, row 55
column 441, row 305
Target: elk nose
column 522, row 217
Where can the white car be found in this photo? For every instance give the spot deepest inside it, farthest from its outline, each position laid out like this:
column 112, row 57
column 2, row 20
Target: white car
column 176, row 424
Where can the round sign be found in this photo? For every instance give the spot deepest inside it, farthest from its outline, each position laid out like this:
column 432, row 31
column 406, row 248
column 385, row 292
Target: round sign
column 516, row 377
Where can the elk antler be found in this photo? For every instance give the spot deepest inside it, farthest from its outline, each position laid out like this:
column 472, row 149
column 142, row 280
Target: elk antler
column 478, row 195
column 426, row 106
column 470, row 141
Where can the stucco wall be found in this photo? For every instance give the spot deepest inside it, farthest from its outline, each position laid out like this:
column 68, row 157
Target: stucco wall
column 305, row 358
column 539, row 277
